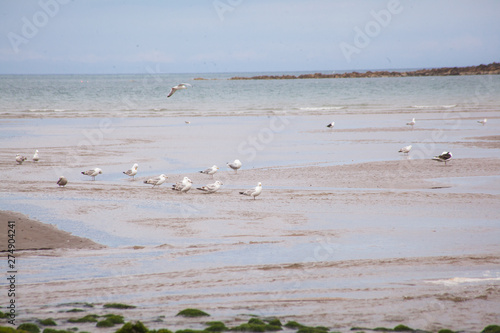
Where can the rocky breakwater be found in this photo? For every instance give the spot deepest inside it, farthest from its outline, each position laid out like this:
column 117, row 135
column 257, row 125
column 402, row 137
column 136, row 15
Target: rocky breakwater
column 490, row 69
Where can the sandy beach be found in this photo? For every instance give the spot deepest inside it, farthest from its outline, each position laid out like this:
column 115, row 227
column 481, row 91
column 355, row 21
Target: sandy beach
column 346, row 233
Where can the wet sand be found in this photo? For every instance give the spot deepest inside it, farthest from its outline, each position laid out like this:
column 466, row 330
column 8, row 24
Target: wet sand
column 347, row 232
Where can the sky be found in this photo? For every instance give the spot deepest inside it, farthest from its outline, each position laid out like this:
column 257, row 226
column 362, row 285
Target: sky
column 206, row 36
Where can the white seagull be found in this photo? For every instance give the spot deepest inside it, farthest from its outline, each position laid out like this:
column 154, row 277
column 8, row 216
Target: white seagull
column 183, row 186
column 483, row 122
column 405, row 150
column 20, row 159
column 178, row 87
column 36, row 158
column 330, row 125
column 132, row 172
column 92, row 173
column 211, row 188
column 62, row 181
column 253, row 192
column 157, row 181
column 211, row 171
column 411, row 123
column 235, row 165
column 444, row 157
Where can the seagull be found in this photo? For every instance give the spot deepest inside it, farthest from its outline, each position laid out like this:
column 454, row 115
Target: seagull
column 36, row 158
column 177, row 87
column 253, row 192
column 156, row 181
column 187, row 122
column 411, row 123
column 62, row 181
column 330, row 125
column 211, row 188
column 211, row 171
column 235, row 165
column 183, row 186
column 132, row 172
column 444, row 157
column 92, row 173
column 405, row 150
column 483, row 122
column 20, row 159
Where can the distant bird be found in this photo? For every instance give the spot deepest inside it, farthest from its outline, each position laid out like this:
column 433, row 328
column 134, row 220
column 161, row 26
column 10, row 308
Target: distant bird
column 36, row 158
column 483, row 122
column 444, row 157
column 132, row 172
column 211, row 188
column 92, row 173
column 253, row 192
column 178, row 87
column 187, row 122
column 330, row 125
column 62, row 181
column 235, row 165
column 411, row 123
column 157, row 181
column 405, row 150
column 210, row 171
column 183, row 186
column 20, row 159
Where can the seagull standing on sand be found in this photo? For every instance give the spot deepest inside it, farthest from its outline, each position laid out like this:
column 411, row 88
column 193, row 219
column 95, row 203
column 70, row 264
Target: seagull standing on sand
column 20, row 159
column 211, row 171
column 183, row 186
column 253, row 192
column 411, row 123
column 132, row 172
column 444, row 157
column 211, row 188
column 36, row 158
column 178, row 87
column 62, row 181
column 235, row 165
column 330, row 125
column 92, row 173
column 157, row 181
column 405, row 150
column 483, row 122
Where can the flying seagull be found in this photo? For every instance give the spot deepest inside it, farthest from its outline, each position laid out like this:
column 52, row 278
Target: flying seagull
column 62, row 181
column 157, row 181
column 183, row 186
column 178, row 87
column 210, row 171
column 411, row 123
column 36, row 158
column 444, row 157
column 211, row 188
column 483, row 122
column 253, row 192
column 132, row 172
column 405, row 150
column 330, row 125
column 235, row 165
column 92, row 173
column 20, row 159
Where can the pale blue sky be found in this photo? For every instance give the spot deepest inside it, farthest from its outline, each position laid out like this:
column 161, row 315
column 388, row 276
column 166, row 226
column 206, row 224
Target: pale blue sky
column 196, row 36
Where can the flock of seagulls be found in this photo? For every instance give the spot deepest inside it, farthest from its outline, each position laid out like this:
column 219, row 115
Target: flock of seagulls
column 20, row 158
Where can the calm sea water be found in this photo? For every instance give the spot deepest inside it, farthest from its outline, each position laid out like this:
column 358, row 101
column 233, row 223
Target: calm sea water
column 146, row 95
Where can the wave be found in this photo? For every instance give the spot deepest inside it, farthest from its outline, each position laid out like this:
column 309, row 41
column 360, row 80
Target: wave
column 462, row 280
column 47, row 110
column 448, row 106
column 322, row 108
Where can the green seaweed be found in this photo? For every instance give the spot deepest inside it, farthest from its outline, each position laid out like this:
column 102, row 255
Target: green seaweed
column 192, row 313
column 29, row 327
column 216, row 326
column 491, row 329
column 51, row 330
column 308, row 329
column 189, row 331
column 3, row 315
column 161, row 330
column 294, row 325
column 402, row 328
column 47, row 322
column 76, row 310
column 91, row 318
column 110, row 321
column 118, row 306
column 445, row 330
column 137, row 327
column 274, row 322
column 4, row 329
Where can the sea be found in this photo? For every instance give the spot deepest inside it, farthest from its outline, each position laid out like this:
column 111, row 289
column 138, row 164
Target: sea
column 213, row 94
